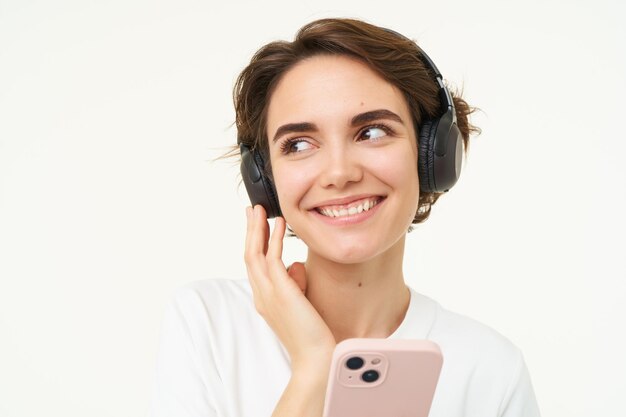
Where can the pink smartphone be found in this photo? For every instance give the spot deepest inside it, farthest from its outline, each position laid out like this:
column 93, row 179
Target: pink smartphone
column 382, row 378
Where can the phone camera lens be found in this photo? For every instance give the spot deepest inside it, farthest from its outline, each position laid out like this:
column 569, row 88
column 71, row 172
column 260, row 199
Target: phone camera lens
column 354, row 363
column 370, row 376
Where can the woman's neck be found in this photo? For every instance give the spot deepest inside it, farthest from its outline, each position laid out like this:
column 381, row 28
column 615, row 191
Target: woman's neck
column 368, row 299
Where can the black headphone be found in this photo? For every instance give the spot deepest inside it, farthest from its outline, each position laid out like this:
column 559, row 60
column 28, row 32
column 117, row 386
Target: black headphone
column 440, row 152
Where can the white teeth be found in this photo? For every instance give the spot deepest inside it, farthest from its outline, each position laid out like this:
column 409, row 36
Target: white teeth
column 365, row 206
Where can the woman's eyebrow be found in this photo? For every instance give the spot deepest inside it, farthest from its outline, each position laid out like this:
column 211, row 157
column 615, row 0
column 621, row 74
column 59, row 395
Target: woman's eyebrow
column 356, row 121
column 294, row 127
column 375, row 115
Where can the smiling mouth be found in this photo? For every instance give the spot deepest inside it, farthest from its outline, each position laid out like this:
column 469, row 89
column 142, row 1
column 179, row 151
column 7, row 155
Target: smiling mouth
column 349, row 209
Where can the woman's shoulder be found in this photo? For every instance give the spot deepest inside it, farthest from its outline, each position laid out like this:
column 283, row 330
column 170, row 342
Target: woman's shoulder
column 475, row 348
column 208, row 299
column 452, row 328
column 475, row 336
column 216, row 290
column 482, row 368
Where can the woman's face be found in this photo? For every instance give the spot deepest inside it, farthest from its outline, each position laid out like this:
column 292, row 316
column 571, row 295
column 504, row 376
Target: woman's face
column 344, row 158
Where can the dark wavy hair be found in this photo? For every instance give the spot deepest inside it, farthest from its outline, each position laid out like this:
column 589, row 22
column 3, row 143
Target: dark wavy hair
column 395, row 58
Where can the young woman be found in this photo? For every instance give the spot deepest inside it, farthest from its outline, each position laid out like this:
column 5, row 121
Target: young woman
column 348, row 136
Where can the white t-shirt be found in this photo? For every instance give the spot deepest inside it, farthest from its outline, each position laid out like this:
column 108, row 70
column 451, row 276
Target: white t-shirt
column 219, row 358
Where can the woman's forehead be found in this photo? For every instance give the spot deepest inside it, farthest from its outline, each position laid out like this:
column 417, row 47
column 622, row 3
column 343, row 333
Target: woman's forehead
column 331, row 88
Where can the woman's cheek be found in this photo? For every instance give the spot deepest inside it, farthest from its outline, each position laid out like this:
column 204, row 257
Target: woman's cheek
column 289, row 187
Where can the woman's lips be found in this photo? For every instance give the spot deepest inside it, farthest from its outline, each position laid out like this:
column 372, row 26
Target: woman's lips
column 349, row 213
column 356, row 206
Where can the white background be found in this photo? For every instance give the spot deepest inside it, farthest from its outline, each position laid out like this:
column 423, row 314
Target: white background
column 111, row 113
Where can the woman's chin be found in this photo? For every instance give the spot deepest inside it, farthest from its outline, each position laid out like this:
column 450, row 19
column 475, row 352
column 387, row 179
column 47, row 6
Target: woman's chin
column 347, row 253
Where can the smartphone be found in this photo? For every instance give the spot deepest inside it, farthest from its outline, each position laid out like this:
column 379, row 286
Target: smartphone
column 382, row 378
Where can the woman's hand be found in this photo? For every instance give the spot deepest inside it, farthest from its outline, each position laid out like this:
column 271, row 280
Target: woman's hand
column 279, row 295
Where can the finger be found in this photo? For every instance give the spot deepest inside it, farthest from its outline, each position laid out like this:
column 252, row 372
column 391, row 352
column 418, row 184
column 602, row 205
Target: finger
column 297, row 272
column 249, row 229
column 275, row 251
column 257, row 233
column 251, row 249
column 261, row 229
column 256, row 264
column 249, row 221
column 275, row 248
column 248, row 258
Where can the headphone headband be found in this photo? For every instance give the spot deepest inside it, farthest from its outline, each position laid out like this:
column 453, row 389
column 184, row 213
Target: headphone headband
column 445, row 97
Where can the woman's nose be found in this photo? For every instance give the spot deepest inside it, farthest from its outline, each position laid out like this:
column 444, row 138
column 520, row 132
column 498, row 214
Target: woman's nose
column 341, row 168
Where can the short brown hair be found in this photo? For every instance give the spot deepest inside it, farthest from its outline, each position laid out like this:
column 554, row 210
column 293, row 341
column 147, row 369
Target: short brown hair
column 395, row 58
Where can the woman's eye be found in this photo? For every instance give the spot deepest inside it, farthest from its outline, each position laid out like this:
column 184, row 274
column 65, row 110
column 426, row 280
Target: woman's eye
column 295, row 145
column 374, row 132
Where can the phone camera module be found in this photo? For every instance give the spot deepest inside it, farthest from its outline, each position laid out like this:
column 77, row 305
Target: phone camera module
column 355, row 363
column 370, row 376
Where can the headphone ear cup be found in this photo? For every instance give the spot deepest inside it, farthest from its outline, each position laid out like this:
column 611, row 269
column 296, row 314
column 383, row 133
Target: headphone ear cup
column 440, row 154
column 426, row 155
column 259, row 187
column 272, row 208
